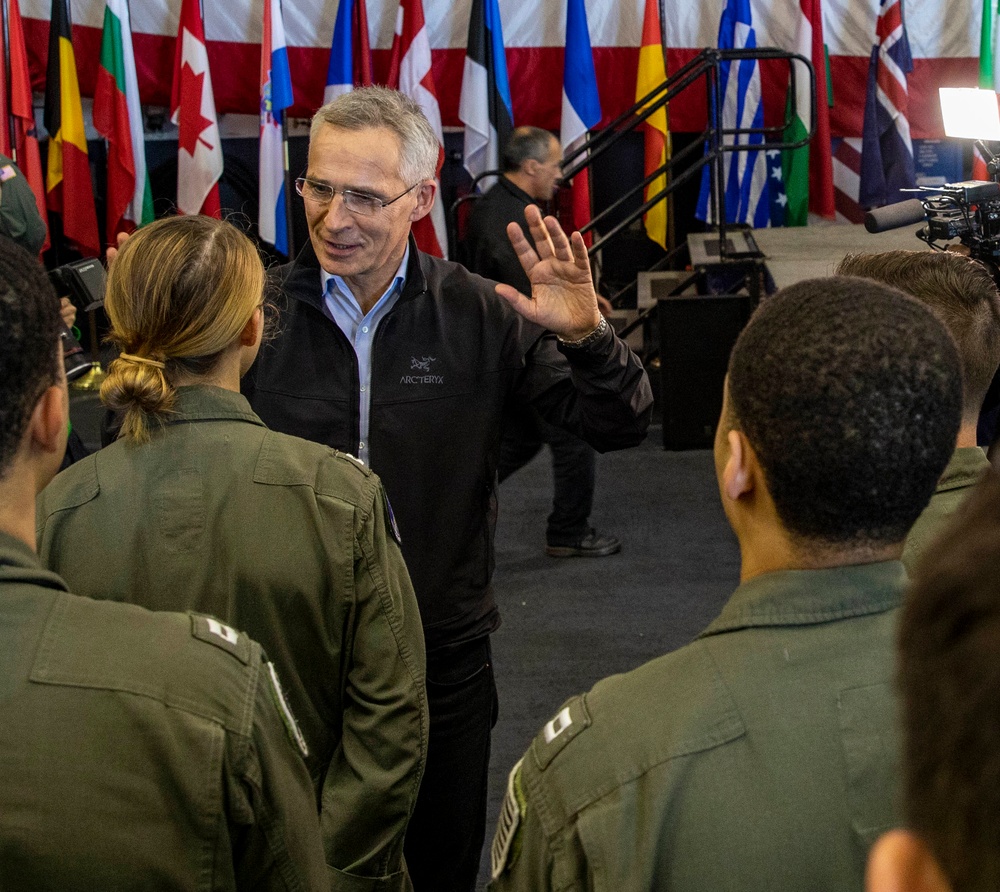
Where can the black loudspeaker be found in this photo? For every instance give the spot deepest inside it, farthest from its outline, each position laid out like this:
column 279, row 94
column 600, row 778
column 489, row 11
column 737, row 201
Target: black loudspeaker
column 697, row 333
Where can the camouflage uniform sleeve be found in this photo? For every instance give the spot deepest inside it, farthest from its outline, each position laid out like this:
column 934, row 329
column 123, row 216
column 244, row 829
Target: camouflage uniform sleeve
column 371, row 786
column 271, row 802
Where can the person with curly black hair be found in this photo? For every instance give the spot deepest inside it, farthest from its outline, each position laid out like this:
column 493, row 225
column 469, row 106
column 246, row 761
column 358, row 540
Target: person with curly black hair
column 949, row 681
column 763, row 755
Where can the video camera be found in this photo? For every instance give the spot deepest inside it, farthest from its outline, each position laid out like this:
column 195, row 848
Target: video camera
column 83, row 282
column 967, row 211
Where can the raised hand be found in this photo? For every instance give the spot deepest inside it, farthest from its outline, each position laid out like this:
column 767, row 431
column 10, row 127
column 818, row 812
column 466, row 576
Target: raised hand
column 562, row 298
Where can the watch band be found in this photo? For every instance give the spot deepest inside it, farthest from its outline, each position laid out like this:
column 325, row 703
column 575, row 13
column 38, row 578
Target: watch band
column 589, row 339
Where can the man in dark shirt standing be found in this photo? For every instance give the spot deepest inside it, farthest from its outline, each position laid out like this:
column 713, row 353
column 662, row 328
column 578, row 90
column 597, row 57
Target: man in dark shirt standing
column 531, row 167
column 410, row 362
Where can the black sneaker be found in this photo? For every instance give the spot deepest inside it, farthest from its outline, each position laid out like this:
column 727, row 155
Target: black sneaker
column 593, row 544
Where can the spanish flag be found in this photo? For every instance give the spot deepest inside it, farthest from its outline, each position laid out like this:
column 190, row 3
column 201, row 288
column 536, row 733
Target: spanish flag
column 69, row 189
column 652, row 73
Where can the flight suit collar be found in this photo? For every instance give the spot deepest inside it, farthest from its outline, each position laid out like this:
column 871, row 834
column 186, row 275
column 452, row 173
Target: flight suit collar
column 203, row 402
column 806, row 597
column 19, row 564
column 964, row 468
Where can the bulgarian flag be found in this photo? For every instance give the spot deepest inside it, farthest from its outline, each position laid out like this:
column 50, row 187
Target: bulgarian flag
column 118, row 117
column 656, row 134
column 69, row 189
column 808, row 172
column 987, row 75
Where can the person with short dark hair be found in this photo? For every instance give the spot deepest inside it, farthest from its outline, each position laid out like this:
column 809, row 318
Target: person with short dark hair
column 410, row 362
column 961, row 292
column 763, row 755
column 199, row 506
column 949, row 679
column 531, row 168
column 137, row 749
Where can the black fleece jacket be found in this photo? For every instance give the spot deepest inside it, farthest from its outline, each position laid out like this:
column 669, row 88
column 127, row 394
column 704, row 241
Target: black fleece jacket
column 449, row 360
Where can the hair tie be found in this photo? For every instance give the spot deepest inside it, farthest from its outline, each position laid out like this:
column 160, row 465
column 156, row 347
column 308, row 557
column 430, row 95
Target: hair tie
column 143, row 359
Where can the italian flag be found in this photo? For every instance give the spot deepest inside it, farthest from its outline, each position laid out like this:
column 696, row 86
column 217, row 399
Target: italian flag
column 808, row 174
column 118, row 117
column 987, row 76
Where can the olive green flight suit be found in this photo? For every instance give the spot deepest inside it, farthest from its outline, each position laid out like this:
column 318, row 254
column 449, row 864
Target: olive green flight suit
column 141, row 750
column 292, row 543
column 962, row 473
column 20, row 219
column 763, row 756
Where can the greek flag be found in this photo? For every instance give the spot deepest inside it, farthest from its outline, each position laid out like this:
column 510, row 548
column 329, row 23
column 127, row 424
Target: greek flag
column 745, row 175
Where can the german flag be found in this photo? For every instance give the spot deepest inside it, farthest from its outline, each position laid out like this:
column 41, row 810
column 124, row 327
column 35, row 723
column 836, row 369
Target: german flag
column 69, row 189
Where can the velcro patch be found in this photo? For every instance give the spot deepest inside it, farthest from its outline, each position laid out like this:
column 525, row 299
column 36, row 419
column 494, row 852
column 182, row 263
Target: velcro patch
column 291, row 726
column 508, row 823
column 7, row 172
column 560, row 730
column 210, row 630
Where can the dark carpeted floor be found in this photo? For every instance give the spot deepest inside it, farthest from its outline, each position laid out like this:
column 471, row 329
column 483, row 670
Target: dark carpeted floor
column 569, row 622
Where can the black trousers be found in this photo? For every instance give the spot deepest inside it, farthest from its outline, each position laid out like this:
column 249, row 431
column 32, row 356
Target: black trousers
column 445, row 837
column 572, row 473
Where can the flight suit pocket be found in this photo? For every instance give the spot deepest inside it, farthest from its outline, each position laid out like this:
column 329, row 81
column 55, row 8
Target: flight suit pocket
column 870, row 742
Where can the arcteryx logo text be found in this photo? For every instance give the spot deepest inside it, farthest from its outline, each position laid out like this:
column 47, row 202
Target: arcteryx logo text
column 422, row 365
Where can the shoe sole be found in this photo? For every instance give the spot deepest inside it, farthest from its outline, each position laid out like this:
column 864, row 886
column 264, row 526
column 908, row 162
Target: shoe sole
column 564, row 551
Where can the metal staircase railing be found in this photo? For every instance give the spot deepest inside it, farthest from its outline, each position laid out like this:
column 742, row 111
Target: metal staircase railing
column 708, row 149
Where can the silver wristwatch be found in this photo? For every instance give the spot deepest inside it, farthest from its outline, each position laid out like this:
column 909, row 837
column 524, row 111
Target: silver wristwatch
column 589, row 339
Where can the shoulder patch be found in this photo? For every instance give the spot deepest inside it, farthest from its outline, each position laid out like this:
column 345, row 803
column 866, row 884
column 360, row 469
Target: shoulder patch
column 393, row 527
column 7, row 172
column 560, row 730
column 211, row 631
column 284, row 710
column 504, row 841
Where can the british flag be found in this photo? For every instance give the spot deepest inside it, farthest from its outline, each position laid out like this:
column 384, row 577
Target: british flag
column 887, row 152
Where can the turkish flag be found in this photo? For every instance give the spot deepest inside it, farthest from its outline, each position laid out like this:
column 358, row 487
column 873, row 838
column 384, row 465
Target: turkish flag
column 192, row 109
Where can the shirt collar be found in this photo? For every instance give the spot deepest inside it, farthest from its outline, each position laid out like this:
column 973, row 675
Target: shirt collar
column 807, row 597
column 397, row 283
column 19, row 563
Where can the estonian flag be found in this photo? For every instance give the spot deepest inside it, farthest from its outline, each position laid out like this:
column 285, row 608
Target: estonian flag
column 484, row 106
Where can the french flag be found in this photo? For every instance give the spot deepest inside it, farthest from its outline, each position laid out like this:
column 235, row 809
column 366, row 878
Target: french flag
column 350, row 51
column 275, row 97
column 581, row 104
column 484, row 105
column 410, row 73
column 887, row 152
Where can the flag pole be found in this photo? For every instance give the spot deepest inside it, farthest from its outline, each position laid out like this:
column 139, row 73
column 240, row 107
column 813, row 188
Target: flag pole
column 8, row 86
column 285, row 173
column 288, row 192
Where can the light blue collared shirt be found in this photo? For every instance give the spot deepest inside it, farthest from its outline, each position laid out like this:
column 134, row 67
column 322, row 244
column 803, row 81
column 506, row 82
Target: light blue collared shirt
column 342, row 307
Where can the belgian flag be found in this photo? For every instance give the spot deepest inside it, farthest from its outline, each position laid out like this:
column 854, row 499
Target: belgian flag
column 69, row 189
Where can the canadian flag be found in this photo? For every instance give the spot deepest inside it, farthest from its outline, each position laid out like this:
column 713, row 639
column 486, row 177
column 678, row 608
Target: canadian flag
column 410, row 73
column 192, row 109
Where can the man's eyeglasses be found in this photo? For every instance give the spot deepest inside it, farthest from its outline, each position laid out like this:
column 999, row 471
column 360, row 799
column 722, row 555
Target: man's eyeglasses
column 355, row 202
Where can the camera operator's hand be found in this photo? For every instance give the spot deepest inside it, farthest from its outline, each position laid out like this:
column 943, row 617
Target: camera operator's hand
column 67, row 311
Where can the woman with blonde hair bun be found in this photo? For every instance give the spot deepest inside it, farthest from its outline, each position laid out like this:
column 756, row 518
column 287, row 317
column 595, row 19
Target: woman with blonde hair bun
column 184, row 299
column 198, row 506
